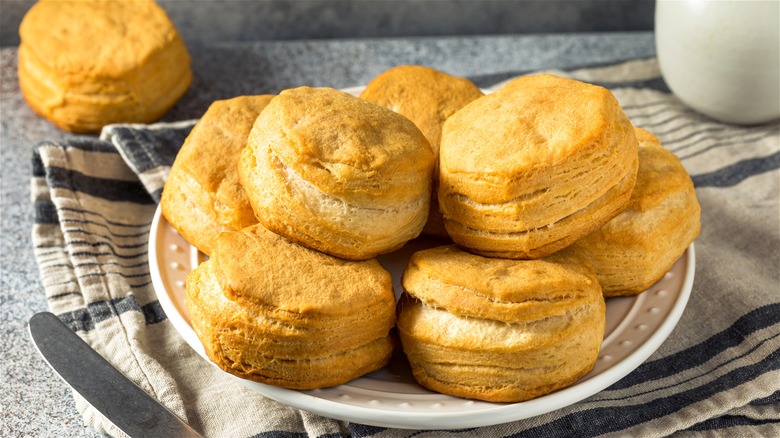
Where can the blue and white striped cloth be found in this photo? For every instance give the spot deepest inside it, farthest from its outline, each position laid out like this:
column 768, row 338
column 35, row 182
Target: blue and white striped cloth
column 718, row 374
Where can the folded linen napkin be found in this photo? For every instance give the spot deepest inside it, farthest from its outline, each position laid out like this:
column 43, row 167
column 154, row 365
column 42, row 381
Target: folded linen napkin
column 718, row 372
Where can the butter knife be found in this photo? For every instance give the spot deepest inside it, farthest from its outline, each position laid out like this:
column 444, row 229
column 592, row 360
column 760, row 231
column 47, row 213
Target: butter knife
column 115, row 396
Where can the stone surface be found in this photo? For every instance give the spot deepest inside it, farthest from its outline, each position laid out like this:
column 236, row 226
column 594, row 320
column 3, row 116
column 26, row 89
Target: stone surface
column 34, row 401
column 253, row 20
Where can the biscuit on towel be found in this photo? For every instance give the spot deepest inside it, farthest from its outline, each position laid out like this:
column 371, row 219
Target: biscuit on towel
column 529, row 169
column 427, row 97
column 203, row 196
column 337, row 173
column 499, row 330
column 635, row 249
column 272, row 311
column 85, row 64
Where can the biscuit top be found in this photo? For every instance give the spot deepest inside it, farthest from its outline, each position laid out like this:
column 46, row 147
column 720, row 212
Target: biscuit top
column 425, row 96
column 260, row 268
column 96, row 37
column 660, row 174
column 502, row 289
column 211, row 151
column 532, row 121
column 342, row 144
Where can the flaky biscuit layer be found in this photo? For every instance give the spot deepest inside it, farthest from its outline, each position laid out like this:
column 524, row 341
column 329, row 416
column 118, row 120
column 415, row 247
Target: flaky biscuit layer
column 635, row 249
column 529, row 169
column 497, row 329
column 427, row 97
column 203, row 196
column 298, row 318
column 86, row 64
column 337, row 174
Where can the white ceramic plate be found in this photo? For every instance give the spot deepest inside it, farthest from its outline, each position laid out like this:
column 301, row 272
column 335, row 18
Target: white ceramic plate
column 636, row 327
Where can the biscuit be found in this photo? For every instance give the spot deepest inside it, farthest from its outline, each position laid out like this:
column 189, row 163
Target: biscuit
column 499, row 330
column 635, row 249
column 531, row 168
column 427, row 97
column 337, row 173
column 85, row 64
column 298, row 318
column 203, row 196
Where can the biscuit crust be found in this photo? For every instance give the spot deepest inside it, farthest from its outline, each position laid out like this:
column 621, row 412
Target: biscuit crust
column 203, row 196
column 498, row 329
column 336, row 173
column 272, row 311
column 427, row 97
column 136, row 72
column 531, row 168
column 635, row 249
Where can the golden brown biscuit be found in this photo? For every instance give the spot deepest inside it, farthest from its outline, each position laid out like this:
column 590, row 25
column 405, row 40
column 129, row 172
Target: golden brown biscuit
column 635, row 249
column 272, row 311
column 531, row 168
column 427, row 97
column 337, row 173
column 203, row 196
column 85, row 64
column 498, row 329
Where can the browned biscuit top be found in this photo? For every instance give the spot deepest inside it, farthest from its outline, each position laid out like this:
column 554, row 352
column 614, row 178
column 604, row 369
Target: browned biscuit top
column 637, row 247
column 425, row 96
column 211, row 151
column 506, row 290
column 535, row 121
column 660, row 173
column 343, row 145
column 203, row 195
column 318, row 284
column 96, row 38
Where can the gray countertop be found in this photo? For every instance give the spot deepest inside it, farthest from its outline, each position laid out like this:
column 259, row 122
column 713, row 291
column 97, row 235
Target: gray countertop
column 35, row 402
column 260, row 20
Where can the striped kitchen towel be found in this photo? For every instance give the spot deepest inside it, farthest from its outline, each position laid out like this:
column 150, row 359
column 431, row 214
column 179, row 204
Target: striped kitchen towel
column 718, row 374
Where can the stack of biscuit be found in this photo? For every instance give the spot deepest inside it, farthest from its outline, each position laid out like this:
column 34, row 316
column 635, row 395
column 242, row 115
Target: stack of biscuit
column 498, row 329
column 545, row 187
column 297, row 300
column 531, row 168
column 337, row 174
column 275, row 312
column 546, row 192
column 85, row 64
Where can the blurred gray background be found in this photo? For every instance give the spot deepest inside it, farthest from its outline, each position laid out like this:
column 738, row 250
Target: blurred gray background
column 202, row 21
